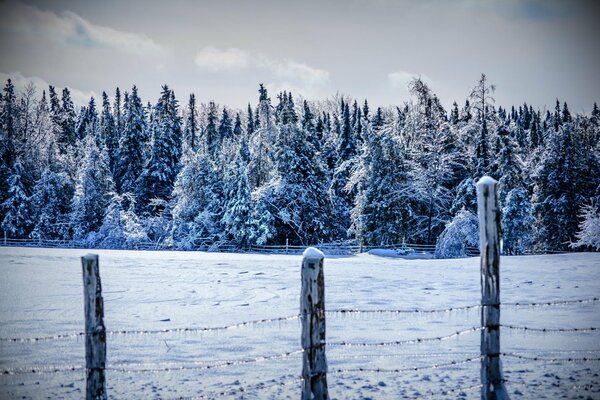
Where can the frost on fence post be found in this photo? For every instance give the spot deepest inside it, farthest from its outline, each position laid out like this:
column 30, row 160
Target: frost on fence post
column 95, row 332
column 312, row 315
column 489, row 247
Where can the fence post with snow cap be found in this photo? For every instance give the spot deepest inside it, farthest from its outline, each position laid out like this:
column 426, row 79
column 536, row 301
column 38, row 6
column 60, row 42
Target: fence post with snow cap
column 312, row 315
column 489, row 247
column 95, row 332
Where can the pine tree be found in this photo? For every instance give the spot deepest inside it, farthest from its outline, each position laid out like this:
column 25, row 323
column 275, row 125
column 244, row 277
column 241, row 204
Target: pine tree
column 51, row 200
column 557, row 191
column 7, row 141
column 68, row 119
column 109, row 136
column 191, row 125
column 239, row 220
column 196, row 198
column 157, row 179
column 16, row 208
column 378, row 120
column 225, row 126
column 118, row 113
column 261, row 142
column 297, row 196
column 92, row 193
column 237, row 126
column 510, row 166
column 342, row 198
column 382, row 211
column 212, row 142
column 250, row 122
column 88, row 119
column 517, row 222
column 132, row 144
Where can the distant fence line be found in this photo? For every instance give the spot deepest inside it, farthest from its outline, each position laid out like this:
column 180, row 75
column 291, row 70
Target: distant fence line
column 208, row 245
column 342, row 248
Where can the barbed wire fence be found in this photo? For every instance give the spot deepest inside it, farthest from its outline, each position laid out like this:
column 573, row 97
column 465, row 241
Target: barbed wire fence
column 313, row 316
column 573, row 356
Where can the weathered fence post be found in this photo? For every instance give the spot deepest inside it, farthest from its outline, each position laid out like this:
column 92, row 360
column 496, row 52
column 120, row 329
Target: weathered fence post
column 287, row 245
column 312, row 315
column 95, row 332
column 489, row 247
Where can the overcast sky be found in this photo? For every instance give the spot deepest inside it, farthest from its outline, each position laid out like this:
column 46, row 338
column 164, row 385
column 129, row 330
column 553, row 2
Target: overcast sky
column 534, row 50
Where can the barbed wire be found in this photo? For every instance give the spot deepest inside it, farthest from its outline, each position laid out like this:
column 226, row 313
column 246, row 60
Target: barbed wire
column 460, row 308
column 42, row 369
column 153, row 368
column 408, row 341
column 408, row 369
column 342, row 311
column 401, row 311
column 552, row 360
column 156, row 331
column 551, row 330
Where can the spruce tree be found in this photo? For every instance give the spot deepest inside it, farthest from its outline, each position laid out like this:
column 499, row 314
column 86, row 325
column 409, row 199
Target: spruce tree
column 51, row 200
column 239, row 220
column 237, row 126
column 109, row 136
column 225, row 126
column 517, row 222
column 92, row 195
column 17, row 210
column 382, row 210
column 191, row 126
column 196, row 198
column 155, row 184
column 212, row 142
column 131, row 144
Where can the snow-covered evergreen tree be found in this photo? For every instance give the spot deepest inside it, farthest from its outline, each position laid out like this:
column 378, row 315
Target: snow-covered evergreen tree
column 131, row 144
column 382, row 212
column 93, row 189
column 261, row 142
column 195, row 195
column 558, row 190
column 341, row 197
column 297, row 194
column 17, row 211
column 162, row 166
column 517, row 222
column 51, row 200
column 191, row 126
column 239, row 219
column 589, row 228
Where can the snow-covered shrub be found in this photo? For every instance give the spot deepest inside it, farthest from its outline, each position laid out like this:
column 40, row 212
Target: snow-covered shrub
column 589, row 228
column 120, row 228
column 462, row 232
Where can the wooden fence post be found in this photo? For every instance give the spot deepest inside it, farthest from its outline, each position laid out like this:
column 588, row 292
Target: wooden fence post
column 489, row 247
column 312, row 315
column 95, row 332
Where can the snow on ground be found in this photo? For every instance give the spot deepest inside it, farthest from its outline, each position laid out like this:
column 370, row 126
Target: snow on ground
column 41, row 295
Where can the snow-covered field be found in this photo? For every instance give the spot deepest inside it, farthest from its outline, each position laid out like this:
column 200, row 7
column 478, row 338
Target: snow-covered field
column 41, row 295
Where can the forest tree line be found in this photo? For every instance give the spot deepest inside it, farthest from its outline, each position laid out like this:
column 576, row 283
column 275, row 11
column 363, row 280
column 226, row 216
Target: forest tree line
column 123, row 172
